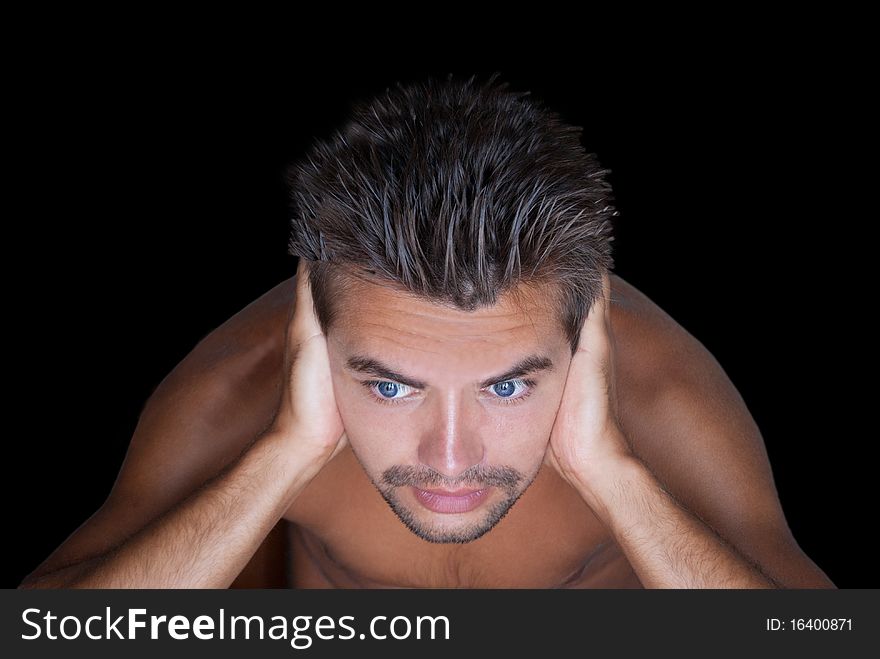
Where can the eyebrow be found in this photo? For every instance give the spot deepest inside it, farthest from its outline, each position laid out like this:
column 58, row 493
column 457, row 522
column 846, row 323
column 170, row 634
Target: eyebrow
column 526, row 366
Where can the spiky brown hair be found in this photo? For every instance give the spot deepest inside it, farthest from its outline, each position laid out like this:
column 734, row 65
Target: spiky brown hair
column 456, row 191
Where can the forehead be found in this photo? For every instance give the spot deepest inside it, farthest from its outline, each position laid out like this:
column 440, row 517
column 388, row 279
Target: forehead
column 379, row 316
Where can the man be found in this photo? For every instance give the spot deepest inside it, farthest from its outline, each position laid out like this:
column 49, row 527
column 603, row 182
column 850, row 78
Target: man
column 454, row 390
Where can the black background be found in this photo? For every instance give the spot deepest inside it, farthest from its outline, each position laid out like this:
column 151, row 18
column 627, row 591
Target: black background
column 154, row 208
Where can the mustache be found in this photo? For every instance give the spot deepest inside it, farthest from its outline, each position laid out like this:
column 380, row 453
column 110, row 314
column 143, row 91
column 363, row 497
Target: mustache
column 477, row 476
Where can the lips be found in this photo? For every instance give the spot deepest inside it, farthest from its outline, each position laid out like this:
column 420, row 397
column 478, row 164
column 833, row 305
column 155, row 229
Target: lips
column 451, row 501
column 449, row 493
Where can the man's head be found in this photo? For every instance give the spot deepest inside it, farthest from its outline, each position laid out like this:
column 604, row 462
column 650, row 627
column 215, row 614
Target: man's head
column 458, row 234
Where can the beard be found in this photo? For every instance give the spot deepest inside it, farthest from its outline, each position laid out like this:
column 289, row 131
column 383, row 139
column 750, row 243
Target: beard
column 510, row 481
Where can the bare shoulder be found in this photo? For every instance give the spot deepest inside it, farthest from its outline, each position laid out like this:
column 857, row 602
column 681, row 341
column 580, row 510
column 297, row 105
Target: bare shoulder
column 197, row 420
column 234, row 367
column 643, row 325
column 227, row 383
column 255, row 326
column 664, row 374
column 654, row 352
column 688, row 422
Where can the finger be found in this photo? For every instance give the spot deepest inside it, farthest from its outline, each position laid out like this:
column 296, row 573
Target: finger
column 304, row 323
column 602, row 303
column 597, row 321
column 606, row 295
column 610, row 344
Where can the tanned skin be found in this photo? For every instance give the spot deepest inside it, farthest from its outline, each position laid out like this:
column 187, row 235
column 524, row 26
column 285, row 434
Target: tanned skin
column 238, row 475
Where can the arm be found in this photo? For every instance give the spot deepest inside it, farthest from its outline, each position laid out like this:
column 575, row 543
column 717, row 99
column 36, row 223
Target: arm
column 685, row 486
column 193, row 459
column 207, row 539
column 667, row 545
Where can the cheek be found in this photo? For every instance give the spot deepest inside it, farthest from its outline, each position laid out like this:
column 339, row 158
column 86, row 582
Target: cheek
column 367, row 422
column 371, row 433
column 517, row 444
column 520, row 435
column 347, row 403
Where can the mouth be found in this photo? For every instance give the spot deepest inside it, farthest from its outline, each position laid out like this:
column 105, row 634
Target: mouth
column 451, row 502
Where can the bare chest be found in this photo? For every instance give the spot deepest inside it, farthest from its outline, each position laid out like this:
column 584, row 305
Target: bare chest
column 344, row 535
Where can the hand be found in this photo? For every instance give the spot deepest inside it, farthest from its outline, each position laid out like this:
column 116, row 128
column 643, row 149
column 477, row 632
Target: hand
column 586, row 434
column 307, row 413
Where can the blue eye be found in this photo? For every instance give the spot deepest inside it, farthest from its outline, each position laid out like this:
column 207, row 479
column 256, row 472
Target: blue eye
column 384, row 391
column 506, row 390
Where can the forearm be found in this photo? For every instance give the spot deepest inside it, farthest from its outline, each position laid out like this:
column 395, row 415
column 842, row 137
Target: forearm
column 667, row 545
column 208, row 538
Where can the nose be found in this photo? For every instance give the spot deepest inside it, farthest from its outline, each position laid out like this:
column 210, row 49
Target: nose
column 452, row 441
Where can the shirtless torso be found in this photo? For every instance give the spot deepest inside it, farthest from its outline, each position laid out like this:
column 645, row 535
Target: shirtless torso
column 341, row 533
column 682, row 415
